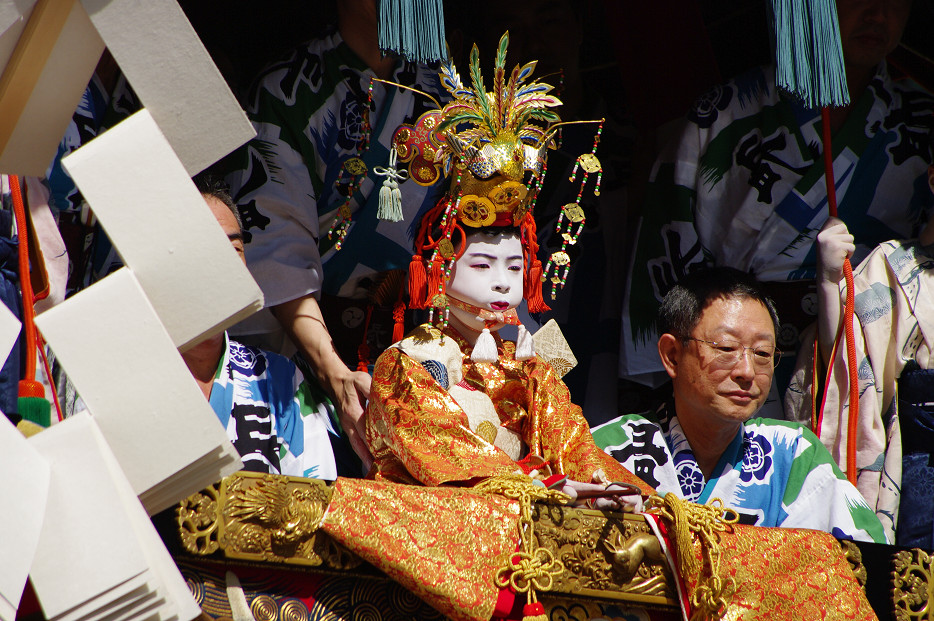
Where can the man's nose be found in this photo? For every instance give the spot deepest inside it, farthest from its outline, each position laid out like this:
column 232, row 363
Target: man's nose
column 745, row 366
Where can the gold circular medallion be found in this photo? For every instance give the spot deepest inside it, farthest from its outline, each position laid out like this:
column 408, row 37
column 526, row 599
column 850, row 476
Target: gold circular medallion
column 573, row 212
column 446, row 248
column 345, row 212
column 508, row 194
column 439, row 300
column 590, row 163
column 403, row 134
column 477, row 211
column 355, row 166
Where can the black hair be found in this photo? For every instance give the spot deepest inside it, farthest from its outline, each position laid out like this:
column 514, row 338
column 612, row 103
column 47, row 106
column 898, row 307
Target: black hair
column 683, row 305
column 214, row 187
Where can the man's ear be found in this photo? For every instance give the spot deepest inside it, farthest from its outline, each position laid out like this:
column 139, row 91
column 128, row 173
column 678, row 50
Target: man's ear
column 669, row 350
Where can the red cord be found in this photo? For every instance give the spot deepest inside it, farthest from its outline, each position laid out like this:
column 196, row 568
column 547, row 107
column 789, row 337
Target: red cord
column 29, row 313
column 48, row 375
column 853, row 416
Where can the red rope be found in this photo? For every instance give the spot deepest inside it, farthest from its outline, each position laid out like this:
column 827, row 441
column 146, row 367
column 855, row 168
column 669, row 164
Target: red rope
column 48, row 375
column 853, row 415
column 29, row 313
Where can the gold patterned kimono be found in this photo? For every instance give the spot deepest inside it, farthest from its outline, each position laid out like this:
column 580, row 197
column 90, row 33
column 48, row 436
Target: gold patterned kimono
column 419, row 433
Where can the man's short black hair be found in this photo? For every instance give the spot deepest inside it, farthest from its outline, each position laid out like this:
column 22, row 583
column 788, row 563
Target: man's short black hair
column 682, row 307
column 212, row 186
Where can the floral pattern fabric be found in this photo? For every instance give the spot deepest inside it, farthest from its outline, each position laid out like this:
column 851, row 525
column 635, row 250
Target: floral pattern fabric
column 774, row 473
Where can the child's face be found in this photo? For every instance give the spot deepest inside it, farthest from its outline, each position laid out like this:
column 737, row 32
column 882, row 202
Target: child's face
column 488, row 275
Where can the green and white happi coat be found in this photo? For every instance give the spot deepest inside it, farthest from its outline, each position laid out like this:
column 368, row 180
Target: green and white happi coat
column 309, row 116
column 742, row 185
column 774, row 473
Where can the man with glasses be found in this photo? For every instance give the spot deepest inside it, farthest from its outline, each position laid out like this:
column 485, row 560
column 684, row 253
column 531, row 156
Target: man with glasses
column 718, row 346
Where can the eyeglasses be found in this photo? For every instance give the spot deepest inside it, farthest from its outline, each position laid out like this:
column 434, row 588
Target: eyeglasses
column 728, row 352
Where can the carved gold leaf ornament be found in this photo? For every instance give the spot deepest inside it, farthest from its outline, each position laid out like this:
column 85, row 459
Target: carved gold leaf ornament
column 913, row 585
column 197, row 520
column 855, row 557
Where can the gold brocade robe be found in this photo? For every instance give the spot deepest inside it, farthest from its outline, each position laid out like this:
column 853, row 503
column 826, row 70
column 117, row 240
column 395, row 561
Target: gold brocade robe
column 418, row 433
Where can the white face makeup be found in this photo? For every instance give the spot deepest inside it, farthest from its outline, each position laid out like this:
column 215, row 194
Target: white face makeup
column 488, row 275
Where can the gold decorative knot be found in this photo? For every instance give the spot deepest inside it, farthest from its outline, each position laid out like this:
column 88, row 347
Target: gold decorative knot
column 525, row 571
column 712, row 594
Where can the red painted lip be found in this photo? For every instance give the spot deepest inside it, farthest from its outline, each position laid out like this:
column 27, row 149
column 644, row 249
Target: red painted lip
column 499, row 306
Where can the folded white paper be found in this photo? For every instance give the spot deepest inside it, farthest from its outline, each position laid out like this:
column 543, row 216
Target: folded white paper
column 183, row 90
column 99, row 508
column 43, row 80
column 24, row 488
column 163, row 229
column 88, row 546
column 139, row 390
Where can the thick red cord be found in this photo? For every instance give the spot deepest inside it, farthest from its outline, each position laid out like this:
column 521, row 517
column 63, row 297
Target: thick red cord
column 853, row 416
column 29, row 313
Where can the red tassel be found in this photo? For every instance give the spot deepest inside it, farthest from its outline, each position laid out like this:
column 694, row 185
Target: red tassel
column 398, row 319
column 533, row 289
column 534, row 612
column 416, row 283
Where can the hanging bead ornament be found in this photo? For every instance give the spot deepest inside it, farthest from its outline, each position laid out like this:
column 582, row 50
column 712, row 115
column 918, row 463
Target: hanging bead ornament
column 353, row 172
column 574, row 214
column 590, row 164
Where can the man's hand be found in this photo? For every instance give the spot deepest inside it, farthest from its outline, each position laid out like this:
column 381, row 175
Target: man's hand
column 835, row 244
column 304, row 323
column 351, row 393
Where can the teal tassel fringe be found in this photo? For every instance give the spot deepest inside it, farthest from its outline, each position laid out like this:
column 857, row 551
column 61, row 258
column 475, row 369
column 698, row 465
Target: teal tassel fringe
column 413, row 28
column 808, row 53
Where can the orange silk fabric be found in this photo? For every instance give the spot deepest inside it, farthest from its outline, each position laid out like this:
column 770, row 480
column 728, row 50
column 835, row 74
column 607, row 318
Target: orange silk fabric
column 787, row 573
column 443, row 544
column 419, row 434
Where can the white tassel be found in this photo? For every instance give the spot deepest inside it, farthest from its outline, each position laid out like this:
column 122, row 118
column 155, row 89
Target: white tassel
column 525, row 346
column 390, row 202
column 485, row 348
column 390, row 197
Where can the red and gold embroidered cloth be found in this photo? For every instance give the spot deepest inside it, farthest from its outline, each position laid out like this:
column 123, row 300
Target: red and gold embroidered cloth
column 786, row 573
column 418, row 433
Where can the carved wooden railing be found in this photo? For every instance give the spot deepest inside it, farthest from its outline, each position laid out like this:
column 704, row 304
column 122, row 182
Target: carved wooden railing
column 266, row 523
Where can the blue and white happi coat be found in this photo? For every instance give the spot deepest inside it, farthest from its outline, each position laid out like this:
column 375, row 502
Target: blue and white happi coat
column 774, row 473
column 278, row 423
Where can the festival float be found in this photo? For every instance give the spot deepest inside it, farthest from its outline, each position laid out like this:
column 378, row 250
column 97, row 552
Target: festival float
column 256, row 547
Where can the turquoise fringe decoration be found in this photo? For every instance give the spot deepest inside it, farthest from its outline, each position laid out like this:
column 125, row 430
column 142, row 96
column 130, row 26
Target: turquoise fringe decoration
column 413, row 28
column 808, row 53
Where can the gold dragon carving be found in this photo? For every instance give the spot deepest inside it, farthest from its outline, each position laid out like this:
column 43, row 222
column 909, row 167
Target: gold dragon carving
column 262, row 517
